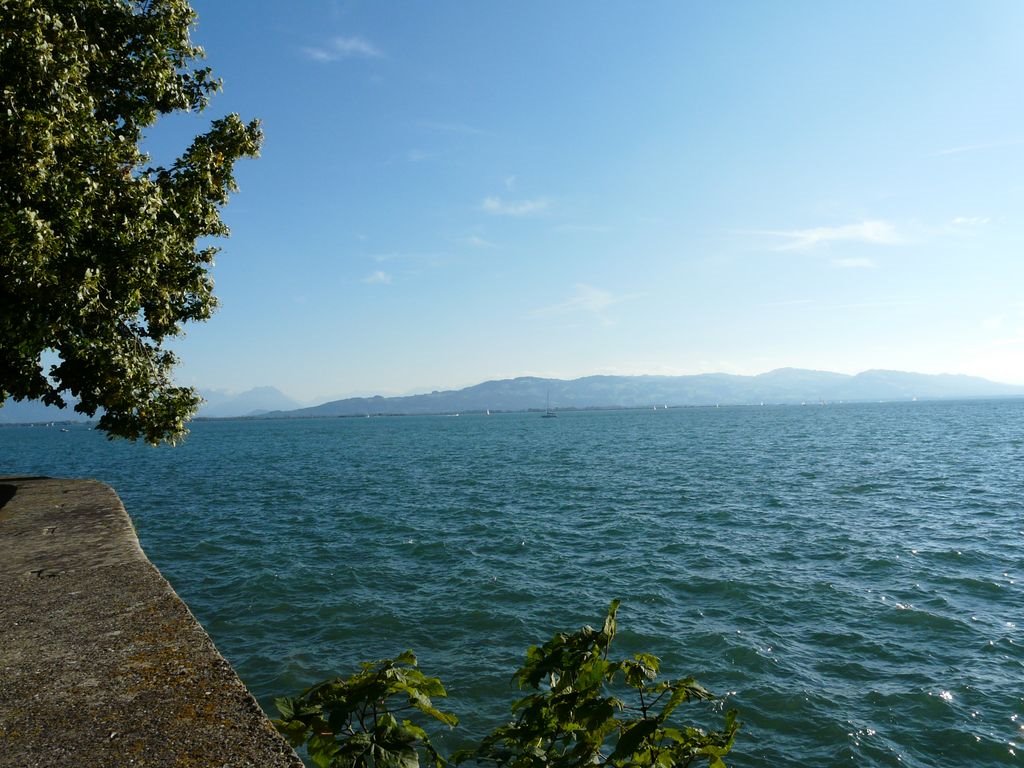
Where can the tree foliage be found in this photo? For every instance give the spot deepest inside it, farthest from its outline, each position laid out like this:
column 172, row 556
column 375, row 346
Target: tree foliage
column 587, row 709
column 351, row 722
column 591, row 710
column 99, row 259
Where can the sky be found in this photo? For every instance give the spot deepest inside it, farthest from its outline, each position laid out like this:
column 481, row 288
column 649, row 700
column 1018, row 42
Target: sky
column 451, row 192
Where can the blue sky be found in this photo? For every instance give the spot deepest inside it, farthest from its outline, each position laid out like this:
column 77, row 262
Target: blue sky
column 451, row 192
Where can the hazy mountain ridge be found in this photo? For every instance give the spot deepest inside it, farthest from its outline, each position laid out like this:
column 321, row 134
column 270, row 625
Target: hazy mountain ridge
column 781, row 386
column 217, row 404
column 252, row 402
column 35, row 412
column 785, row 385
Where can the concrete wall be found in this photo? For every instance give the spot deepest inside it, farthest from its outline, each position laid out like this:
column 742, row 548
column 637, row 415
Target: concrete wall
column 101, row 663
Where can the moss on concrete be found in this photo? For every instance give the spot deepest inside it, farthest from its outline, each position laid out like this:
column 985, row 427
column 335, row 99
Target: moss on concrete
column 101, row 664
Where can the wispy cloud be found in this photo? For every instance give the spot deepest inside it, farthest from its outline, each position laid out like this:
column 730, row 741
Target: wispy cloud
column 501, row 207
column 860, row 263
column 585, row 298
column 874, row 232
column 378, row 278
column 344, row 48
column 979, row 147
column 970, row 221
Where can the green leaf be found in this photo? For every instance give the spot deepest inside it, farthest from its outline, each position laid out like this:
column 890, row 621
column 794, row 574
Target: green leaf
column 632, row 738
column 572, row 719
column 286, row 706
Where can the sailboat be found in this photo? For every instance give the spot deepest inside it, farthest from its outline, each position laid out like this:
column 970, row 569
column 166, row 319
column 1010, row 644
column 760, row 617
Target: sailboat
column 548, row 413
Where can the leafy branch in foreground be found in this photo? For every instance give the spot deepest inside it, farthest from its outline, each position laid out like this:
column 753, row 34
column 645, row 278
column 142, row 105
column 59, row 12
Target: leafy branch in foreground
column 351, row 721
column 575, row 718
column 588, row 710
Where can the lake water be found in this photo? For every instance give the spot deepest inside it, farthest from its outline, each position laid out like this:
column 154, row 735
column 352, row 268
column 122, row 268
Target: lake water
column 850, row 576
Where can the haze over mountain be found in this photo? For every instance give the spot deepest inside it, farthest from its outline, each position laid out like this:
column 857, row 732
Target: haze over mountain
column 252, row 402
column 785, row 385
column 35, row 412
column 218, row 404
column 782, row 386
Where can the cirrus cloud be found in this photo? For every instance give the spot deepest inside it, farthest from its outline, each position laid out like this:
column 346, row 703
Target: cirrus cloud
column 378, row 278
column 344, row 48
column 873, row 232
column 586, row 299
column 500, row 207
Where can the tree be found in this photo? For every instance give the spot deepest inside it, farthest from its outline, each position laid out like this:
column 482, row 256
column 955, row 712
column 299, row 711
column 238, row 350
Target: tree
column 102, row 257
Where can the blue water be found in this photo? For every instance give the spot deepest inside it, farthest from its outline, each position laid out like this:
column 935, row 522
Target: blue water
column 849, row 576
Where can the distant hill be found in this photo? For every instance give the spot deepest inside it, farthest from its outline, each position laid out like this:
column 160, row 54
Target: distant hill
column 782, row 386
column 34, row 412
column 785, row 385
column 252, row 402
column 219, row 404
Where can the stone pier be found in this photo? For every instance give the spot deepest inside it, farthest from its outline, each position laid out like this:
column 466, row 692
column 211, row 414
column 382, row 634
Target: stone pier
column 101, row 663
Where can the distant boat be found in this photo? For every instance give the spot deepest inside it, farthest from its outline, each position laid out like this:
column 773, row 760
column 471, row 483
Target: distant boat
column 548, row 413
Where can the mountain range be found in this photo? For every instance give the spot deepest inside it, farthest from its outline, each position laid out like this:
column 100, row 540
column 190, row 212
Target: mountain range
column 785, row 385
column 782, row 386
column 217, row 404
column 252, row 402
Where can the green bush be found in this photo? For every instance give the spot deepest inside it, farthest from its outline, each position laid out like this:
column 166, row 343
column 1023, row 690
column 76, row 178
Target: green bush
column 586, row 710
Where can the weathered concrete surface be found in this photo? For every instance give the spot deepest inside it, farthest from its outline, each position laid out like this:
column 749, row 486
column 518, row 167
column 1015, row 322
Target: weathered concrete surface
column 101, row 664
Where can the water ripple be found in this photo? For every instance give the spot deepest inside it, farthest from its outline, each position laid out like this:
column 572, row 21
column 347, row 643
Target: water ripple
column 850, row 576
